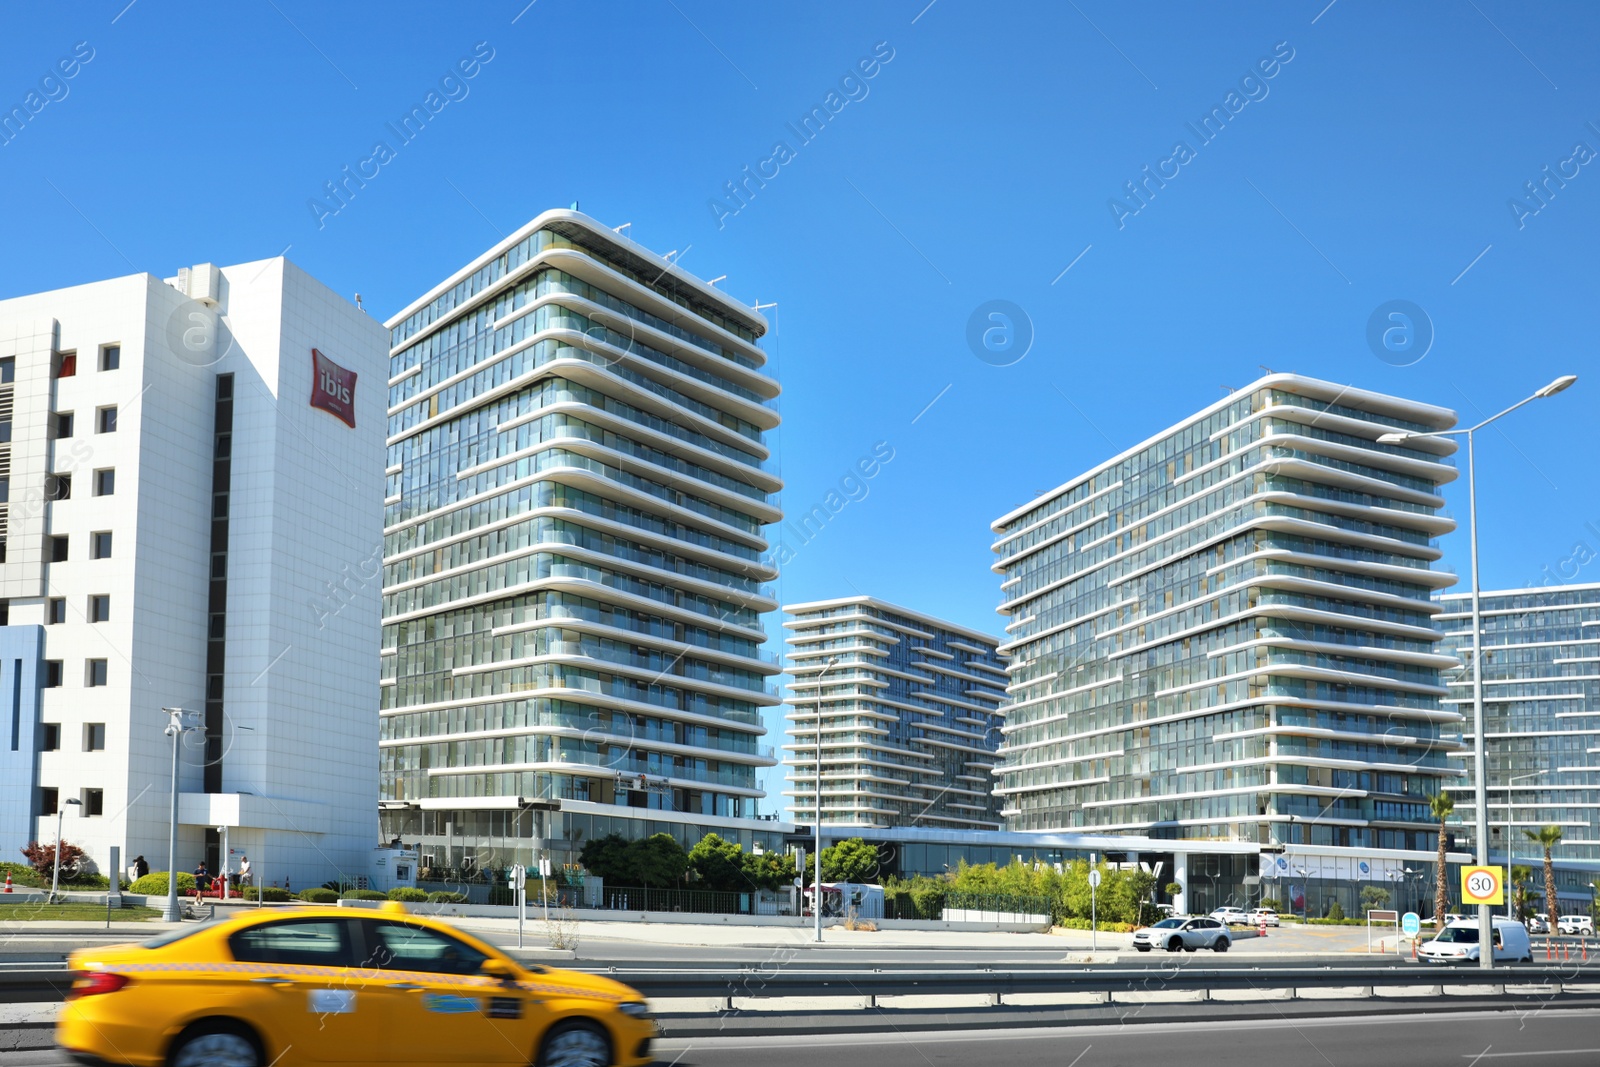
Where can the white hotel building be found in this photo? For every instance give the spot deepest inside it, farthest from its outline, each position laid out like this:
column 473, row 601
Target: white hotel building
column 184, row 526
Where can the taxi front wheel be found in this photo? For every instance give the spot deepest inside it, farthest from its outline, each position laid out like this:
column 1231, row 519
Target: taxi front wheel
column 215, row 1044
column 575, row 1044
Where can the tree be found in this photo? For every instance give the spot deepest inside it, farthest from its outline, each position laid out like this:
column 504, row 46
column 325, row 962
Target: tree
column 42, row 858
column 657, row 862
column 607, row 857
column 851, row 860
column 1442, row 806
column 719, row 863
column 769, row 870
column 1373, row 898
column 1520, row 877
column 1270, row 903
column 1548, row 837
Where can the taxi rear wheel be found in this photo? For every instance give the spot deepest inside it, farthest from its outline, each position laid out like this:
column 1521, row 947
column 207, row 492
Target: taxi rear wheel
column 575, row 1044
column 217, row 1043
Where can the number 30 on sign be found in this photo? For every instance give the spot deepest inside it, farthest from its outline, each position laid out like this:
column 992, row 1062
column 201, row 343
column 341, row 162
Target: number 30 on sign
column 1483, row 885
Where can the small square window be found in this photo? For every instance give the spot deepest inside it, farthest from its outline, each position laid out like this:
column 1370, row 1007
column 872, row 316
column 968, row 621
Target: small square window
column 66, row 364
column 110, row 357
column 58, row 549
column 219, row 627
column 105, row 420
column 8, row 371
column 94, row 673
column 62, row 424
column 55, row 611
column 94, row 802
column 219, row 565
column 224, row 447
column 94, row 737
column 99, row 609
column 58, row 487
column 50, row 737
column 105, row 482
column 49, row 800
column 100, row 545
column 219, row 505
column 52, row 674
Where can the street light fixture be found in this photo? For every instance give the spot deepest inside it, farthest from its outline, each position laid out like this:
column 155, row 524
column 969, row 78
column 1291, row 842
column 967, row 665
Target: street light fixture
column 55, row 875
column 1480, row 787
column 816, row 878
column 179, row 722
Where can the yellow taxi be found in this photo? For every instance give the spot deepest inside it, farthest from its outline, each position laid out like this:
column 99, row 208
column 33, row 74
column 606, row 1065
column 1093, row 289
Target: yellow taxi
column 328, row 985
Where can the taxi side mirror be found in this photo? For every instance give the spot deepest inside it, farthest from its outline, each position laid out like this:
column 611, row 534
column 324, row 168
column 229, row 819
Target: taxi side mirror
column 497, row 969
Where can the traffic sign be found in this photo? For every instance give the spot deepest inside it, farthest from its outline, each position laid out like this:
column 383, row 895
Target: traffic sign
column 1483, row 885
column 1411, row 924
column 1094, row 879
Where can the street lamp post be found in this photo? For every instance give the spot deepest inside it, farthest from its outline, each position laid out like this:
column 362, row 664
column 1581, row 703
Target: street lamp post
column 178, row 723
column 1480, row 787
column 1510, row 816
column 55, row 875
column 816, row 879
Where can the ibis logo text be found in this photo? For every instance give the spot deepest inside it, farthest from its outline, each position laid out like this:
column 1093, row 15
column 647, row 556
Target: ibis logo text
column 333, row 389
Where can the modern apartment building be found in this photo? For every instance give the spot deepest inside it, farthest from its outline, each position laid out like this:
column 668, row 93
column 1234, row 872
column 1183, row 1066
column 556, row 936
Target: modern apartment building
column 1226, row 632
column 907, row 712
column 190, row 471
column 1541, row 703
column 573, row 553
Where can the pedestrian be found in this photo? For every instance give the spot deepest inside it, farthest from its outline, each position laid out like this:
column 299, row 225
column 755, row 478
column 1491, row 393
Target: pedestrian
column 140, row 867
column 244, row 870
column 202, row 877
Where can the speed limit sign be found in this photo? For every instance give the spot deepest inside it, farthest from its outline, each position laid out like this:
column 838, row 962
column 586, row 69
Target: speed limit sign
column 1483, row 885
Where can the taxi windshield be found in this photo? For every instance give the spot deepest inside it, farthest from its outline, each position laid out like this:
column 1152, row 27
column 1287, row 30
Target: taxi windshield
column 174, row 936
column 1460, row 935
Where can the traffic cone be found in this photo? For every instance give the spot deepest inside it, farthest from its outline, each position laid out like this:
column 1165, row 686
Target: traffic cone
column 8, row 881
column 1263, row 931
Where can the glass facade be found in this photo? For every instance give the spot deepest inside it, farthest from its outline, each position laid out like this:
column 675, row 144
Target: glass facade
column 1227, row 632
column 908, row 712
column 1541, row 706
column 573, row 580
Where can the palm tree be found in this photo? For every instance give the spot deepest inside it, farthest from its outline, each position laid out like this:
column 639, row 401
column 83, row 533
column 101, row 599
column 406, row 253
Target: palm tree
column 1520, row 877
column 1548, row 837
column 1442, row 806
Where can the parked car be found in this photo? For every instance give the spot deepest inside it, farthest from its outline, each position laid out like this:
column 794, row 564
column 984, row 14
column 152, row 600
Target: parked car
column 1231, row 916
column 1263, row 917
column 1575, row 924
column 1536, row 925
column 1183, row 933
column 1458, row 943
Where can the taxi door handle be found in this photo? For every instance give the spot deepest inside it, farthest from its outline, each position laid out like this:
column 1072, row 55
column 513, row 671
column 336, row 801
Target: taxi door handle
column 406, row 987
column 272, row 981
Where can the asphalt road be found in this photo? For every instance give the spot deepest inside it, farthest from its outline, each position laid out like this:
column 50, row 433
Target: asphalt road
column 1549, row 1039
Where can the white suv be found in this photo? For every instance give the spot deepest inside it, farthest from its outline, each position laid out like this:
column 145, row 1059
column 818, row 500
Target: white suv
column 1231, row 916
column 1575, row 924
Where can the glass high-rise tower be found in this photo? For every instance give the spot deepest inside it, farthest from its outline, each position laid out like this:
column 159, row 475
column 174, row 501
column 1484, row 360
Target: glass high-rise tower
column 573, row 552
column 1226, row 631
column 1541, row 703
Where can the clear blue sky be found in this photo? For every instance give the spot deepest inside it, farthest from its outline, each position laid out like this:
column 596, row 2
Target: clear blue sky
column 1378, row 165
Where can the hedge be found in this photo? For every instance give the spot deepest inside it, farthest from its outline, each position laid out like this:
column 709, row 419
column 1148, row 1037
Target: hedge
column 1105, row 928
column 364, row 894
column 154, row 884
column 272, row 894
column 408, row 894
column 318, row 896
column 21, row 874
column 447, row 898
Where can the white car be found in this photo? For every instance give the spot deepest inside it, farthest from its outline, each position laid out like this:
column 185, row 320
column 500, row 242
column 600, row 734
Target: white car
column 1263, row 917
column 1458, row 943
column 1187, row 934
column 1575, row 924
column 1231, row 916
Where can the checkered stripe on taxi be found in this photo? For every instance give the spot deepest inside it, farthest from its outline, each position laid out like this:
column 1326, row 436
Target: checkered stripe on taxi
column 301, row 970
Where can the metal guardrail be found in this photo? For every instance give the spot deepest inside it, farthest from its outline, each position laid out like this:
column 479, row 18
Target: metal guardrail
column 43, row 984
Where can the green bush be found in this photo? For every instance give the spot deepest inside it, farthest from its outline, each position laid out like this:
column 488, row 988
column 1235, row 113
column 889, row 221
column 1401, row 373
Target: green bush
column 318, row 896
column 447, row 898
column 1335, row 912
column 338, row 887
column 155, row 884
column 22, row 874
column 1084, row 924
column 364, row 894
column 271, row 894
column 408, row 895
